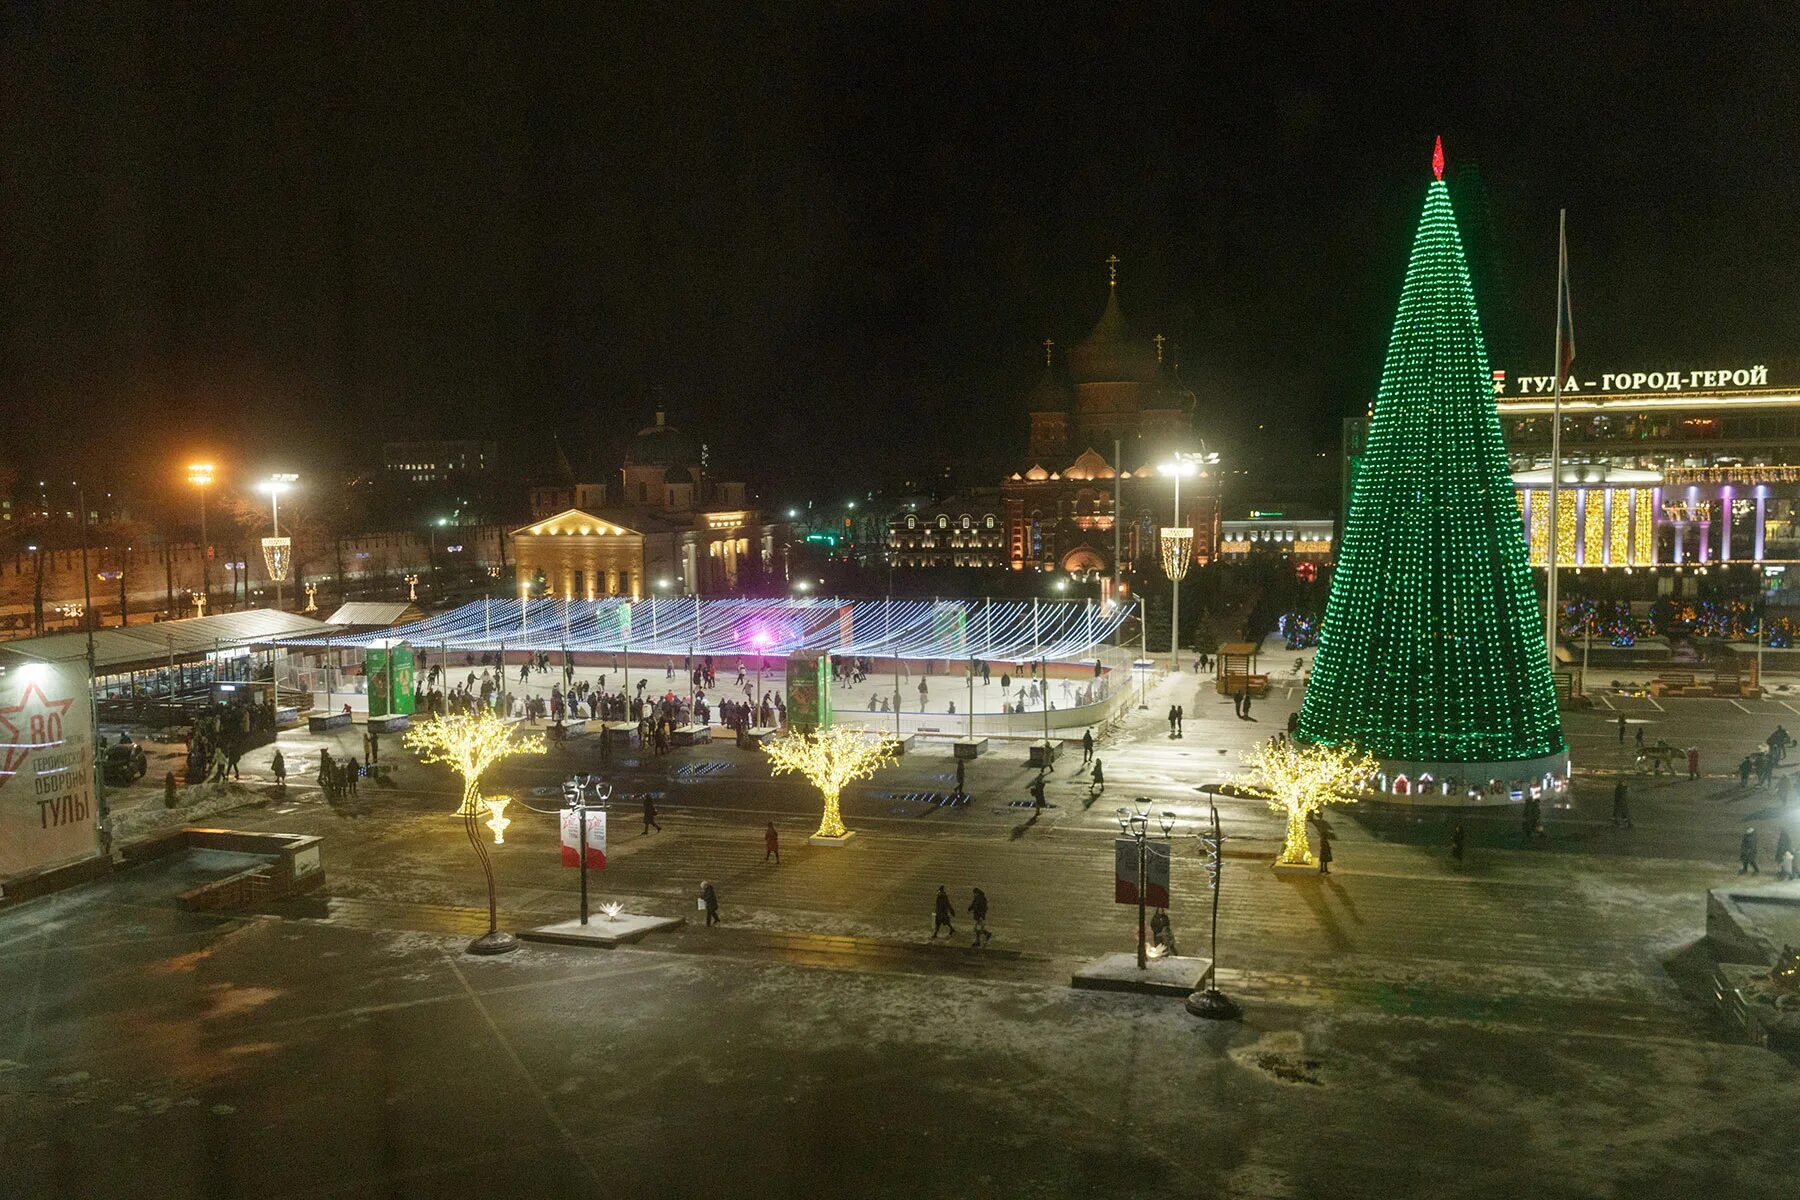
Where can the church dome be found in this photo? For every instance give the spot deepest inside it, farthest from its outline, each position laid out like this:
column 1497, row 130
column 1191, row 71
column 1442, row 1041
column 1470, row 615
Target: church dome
column 660, row 445
column 1110, row 354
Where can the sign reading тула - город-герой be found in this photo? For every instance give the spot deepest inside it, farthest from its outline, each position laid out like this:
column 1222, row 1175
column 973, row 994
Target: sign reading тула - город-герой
column 1633, row 382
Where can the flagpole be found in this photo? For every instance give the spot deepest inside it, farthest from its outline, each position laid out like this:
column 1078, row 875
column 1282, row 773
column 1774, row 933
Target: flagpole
column 1562, row 268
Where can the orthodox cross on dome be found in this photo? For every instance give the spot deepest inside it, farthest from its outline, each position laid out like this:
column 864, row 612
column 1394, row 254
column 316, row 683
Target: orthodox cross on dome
column 1047, row 344
column 1112, row 271
column 1158, row 339
column 1437, row 157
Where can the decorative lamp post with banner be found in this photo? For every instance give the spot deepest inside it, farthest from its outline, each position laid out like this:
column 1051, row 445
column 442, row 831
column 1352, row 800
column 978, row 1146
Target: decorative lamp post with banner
column 1177, row 542
column 278, row 552
column 1141, row 866
column 584, row 830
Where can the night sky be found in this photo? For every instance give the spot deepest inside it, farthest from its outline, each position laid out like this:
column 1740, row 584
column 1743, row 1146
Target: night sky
column 831, row 239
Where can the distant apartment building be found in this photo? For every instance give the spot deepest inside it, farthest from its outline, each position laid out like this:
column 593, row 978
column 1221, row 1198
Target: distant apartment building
column 436, row 461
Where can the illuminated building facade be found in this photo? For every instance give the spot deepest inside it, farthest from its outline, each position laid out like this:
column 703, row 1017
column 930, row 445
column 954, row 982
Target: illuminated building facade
column 1660, row 469
column 963, row 531
column 1118, row 390
column 1301, row 540
column 679, row 530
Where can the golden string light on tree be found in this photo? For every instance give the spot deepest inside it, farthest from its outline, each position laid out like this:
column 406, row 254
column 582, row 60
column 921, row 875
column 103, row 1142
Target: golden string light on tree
column 830, row 759
column 1300, row 778
column 469, row 743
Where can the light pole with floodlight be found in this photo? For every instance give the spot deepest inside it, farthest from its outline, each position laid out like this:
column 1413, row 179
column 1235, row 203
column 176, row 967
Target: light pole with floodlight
column 201, row 476
column 1178, row 543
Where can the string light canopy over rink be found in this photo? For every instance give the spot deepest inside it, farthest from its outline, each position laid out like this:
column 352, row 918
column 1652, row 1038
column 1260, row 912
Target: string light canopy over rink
column 1431, row 655
column 997, row 631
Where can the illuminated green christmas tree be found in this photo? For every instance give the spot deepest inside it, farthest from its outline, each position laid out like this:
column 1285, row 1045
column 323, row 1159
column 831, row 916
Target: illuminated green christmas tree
column 1431, row 656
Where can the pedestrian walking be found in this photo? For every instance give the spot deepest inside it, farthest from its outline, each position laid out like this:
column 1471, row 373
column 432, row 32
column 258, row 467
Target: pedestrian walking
column 374, row 747
column 709, row 900
column 1247, row 715
column 941, row 913
column 278, row 766
column 368, row 751
column 1099, row 778
column 1459, row 840
column 1693, row 762
column 1087, row 746
column 650, row 821
column 1621, row 729
column 771, row 844
column 978, row 908
column 1621, row 806
column 1747, row 852
column 1037, row 792
column 1179, row 714
column 1171, row 720
column 1237, row 704
column 960, row 766
column 1744, row 774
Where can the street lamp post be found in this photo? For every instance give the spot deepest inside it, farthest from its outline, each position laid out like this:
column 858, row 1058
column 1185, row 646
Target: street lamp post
column 1136, row 825
column 277, row 556
column 201, row 476
column 1178, row 544
column 1210, row 1002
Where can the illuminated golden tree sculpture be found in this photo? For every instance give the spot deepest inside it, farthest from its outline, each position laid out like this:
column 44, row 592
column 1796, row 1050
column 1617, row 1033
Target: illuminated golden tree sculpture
column 829, row 758
column 1299, row 779
column 469, row 743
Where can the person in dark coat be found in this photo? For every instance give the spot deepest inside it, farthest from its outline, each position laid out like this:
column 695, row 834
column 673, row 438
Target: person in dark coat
column 1747, row 853
column 1325, row 855
column 1459, row 838
column 1099, row 778
column 978, row 908
column 650, row 815
column 710, row 898
column 1179, row 716
column 960, row 766
column 1171, row 720
column 1037, row 792
column 1087, row 746
column 1784, row 845
column 771, row 844
column 1247, row 715
column 1237, row 704
column 352, row 769
column 941, row 913
column 278, row 765
column 1621, row 729
column 1621, row 806
column 1531, row 817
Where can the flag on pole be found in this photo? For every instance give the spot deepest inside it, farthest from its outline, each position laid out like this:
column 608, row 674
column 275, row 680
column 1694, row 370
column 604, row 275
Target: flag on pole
column 1565, row 309
column 596, row 838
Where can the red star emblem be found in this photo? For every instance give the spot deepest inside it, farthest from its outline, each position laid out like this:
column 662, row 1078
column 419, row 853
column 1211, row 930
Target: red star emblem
column 16, row 721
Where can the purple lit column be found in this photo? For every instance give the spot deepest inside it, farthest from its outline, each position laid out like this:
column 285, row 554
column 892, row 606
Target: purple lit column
column 1581, row 498
column 1762, row 499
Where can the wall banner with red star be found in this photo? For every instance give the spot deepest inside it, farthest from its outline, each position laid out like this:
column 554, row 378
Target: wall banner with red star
column 47, row 812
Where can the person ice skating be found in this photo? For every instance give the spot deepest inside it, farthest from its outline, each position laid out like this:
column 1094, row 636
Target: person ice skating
column 1459, row 840
column 650, row 821
column 978, row 909
column 278, row 766
column 1747, row 852
column 941, row 913
column 710, row 898
column 1621, row 806
column 771, row 844
column 1087, row 746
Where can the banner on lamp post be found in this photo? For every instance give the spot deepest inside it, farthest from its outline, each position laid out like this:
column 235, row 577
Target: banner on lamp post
column 596, row 838
column 1156, row 872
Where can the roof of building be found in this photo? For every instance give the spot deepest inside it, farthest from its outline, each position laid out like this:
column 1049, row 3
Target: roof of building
column 376, row 613
column 147, row 645
column 1111, row 354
